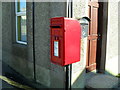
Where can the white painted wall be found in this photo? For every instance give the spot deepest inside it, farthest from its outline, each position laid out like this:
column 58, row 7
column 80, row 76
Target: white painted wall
column 112, row 39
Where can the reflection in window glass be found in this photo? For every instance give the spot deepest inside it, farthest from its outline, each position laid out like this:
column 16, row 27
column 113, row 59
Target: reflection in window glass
column 21, row 6
column 23, row 28
column 21, row 23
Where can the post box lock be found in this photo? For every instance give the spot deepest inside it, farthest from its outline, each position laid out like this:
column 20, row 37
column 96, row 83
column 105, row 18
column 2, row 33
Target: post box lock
column 65, row 35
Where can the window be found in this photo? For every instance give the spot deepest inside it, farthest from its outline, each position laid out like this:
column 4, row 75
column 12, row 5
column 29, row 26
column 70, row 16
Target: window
column 21, row 31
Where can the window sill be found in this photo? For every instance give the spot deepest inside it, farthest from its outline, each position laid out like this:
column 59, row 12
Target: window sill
column 19, row 45
column 19, row 42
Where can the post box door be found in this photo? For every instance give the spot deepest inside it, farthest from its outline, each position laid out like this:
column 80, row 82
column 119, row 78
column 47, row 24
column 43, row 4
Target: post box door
column 57, row 50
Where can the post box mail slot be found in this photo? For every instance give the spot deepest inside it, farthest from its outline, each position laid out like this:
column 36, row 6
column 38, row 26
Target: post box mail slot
column 65, row 40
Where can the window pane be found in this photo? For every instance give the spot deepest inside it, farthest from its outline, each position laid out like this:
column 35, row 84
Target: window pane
column 21, row 27
column 21, row 6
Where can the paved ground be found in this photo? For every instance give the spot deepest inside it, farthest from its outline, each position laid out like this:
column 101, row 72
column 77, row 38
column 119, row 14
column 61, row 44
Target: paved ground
column 95, row 80
column 6, row 86
column 8, row 83
column 9, row 79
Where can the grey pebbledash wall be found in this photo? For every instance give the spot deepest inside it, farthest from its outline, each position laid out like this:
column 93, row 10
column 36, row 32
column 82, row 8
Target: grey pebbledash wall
column 47, row 73
column 21, row 57
column 14, row 55
column 0, row 43
column 6, row 32
column 0, row 29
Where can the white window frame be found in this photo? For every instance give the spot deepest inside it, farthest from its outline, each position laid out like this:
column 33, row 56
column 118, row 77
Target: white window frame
column 18, row 14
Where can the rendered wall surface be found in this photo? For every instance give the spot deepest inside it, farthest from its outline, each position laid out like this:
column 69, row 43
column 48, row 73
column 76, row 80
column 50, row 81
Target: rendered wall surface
column 118, row 36
column 78, row 69
column 14, row 55
column 0, row 31
column 57, row 73
column 6, row 14
column 0, row 43
column 48, row 74
column 112, row 39
column 20, row 57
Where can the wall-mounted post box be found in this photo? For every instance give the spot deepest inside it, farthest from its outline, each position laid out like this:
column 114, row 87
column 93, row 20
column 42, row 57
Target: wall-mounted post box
column 65, row 40
column 84, row 22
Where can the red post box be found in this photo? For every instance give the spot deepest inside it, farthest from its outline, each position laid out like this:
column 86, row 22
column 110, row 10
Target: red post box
column 65, row 40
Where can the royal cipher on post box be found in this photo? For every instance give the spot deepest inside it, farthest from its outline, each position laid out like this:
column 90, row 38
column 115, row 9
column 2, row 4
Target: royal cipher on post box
column 65, row 40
